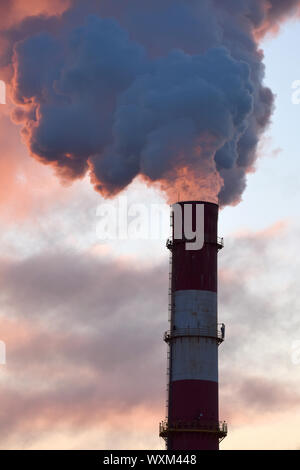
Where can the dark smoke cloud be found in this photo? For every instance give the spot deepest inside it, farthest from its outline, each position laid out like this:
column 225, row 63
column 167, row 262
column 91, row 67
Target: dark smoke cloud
column 172, row 91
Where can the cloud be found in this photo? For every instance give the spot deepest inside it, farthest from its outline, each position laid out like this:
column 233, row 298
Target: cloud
column 78, row 354
column 81, row 357
column 256, row 303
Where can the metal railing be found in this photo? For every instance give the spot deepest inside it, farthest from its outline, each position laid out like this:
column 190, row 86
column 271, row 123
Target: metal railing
column 220, row 242
column 170, row 242
column 215, row 333
column 219, row 428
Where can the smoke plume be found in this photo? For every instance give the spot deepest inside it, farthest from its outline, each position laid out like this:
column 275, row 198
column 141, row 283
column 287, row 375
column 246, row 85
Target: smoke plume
column 170, row 91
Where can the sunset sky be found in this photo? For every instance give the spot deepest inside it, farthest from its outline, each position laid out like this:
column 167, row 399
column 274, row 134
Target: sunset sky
column 83, row 319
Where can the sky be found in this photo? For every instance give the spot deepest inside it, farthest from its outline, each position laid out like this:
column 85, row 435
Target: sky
column 83, row 318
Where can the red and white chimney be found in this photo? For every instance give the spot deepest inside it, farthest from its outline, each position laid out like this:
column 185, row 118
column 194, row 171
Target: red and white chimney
column 194, row 336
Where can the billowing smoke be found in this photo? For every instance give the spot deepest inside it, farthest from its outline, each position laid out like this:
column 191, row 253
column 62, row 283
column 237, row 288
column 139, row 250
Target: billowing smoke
column 171, row 91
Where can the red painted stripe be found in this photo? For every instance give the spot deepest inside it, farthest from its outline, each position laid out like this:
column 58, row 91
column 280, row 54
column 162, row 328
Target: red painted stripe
column 197, row 269
column 211, row 212
column 188, row 400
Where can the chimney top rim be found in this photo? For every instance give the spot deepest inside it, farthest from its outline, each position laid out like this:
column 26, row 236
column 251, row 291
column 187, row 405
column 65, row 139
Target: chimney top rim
column 195, row 202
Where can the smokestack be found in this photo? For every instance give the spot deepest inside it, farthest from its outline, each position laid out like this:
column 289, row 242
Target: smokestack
column 194, row 337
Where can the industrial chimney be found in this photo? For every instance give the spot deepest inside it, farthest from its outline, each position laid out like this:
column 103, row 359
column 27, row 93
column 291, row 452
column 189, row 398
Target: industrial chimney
column 192, row 406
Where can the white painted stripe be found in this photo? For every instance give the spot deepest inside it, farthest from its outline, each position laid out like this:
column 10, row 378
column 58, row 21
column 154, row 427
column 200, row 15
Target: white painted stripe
column 195, row 309
column 194, row 359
